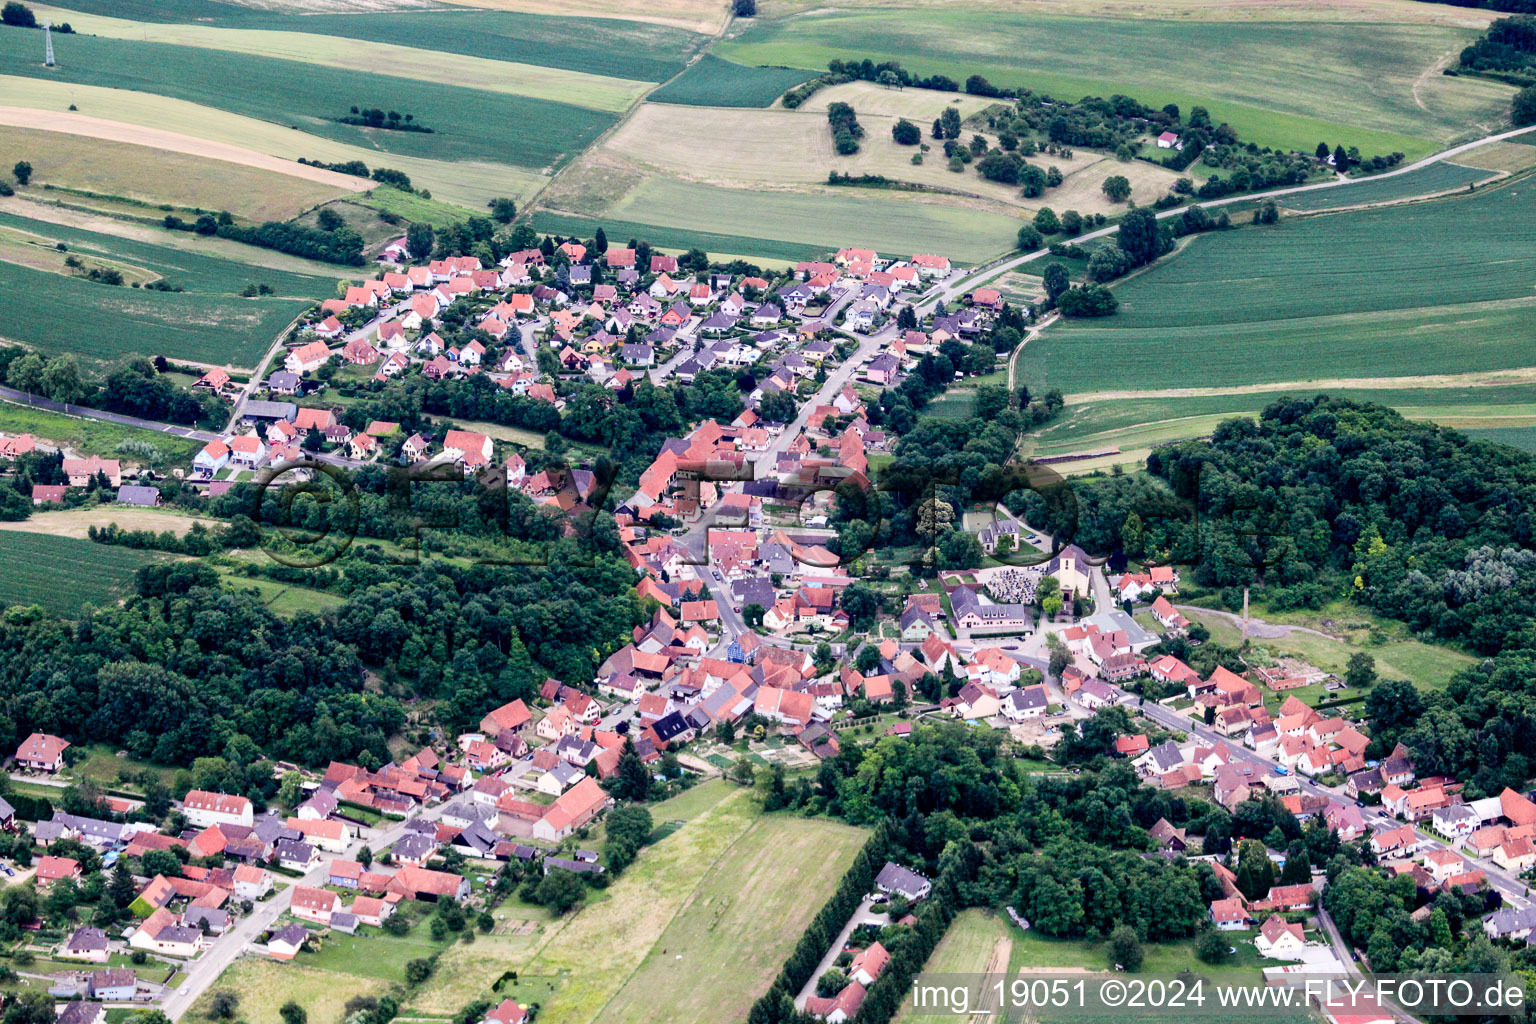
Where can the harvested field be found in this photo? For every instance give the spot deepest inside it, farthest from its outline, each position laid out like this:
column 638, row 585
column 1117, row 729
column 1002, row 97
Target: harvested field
column 793, row 148
column 76, row 522
column 705, row 16
column 155, row 175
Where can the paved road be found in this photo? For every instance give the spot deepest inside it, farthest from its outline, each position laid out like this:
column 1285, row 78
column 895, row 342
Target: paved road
column 978, row 274
column 202, row 973
column 37, row 401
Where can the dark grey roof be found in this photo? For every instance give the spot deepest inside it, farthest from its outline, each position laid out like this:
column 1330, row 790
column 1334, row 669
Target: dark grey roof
column 293, row 934
column 88, row 939
column 294, row 850
column 259, row 410
column 897, row 879
column 576, row 866
column 136, row 494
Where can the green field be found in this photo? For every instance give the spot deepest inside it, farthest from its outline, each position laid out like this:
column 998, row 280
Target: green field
column 674, row 238
column 62, row 573
column 712, row 82
column 899, row 224
column 58, row 314
column 1523, row 438
column 1428, row 288
column 1281, row 84
column 193, row 271
column 1441, row 176
column 597, row 46
column 468, row 124
column 742, row 914
column 208, row 322
column 1100, row 422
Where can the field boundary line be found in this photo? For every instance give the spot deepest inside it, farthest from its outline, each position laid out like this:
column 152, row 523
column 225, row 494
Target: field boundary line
column 756, row 824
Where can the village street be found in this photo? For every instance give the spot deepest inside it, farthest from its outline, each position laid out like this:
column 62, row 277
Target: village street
column 234, row 943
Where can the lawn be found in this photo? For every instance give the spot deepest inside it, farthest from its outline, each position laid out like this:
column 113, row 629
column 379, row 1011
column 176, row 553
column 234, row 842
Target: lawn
column 1437, row 177
column 530, row 133
column 713, row 82
column 102, row 765
column 90, row 436
column 743, row 914
column 156, row 176
column 283, row 598
column 263, row 986
column 1280, row 84
column 372, row 953
column 62, row 573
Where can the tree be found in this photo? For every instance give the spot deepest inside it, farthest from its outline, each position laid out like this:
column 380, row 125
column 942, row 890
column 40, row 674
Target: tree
column 327, row 218
column 503, row 210
column 1340, row 159
column 1060, row 658
column 950, row 119
column 632, row 779
column 1140, row 237
column 1124, row 948
column 419, row 969
column 753, row 614
column 868, row 660
column 1029, row 238
column 1056, row 280
column 1046, row 221
column 420, row 238
column 560, row 891
column 1117, row 187
column 293, row 1013
column 1255, row 871
column 1360, row 670
column 1212, row 947
column 365, row 857
column 600, row 241
column 745, row 8
column 862, row 605
column 1322, row 151
column 906, row 133
column 1522, row 109
column 18, row 15
column 22, row 170
column 223, row 1005
column 1087, row 300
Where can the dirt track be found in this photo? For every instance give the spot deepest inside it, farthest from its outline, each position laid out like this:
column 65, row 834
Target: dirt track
column 116, row 131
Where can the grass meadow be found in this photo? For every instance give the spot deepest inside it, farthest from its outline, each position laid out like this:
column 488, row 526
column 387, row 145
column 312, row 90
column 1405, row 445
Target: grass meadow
column 1281, row 84
column 468, row 124
column 713, row 82
column 63, row 573
column 747, row 912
